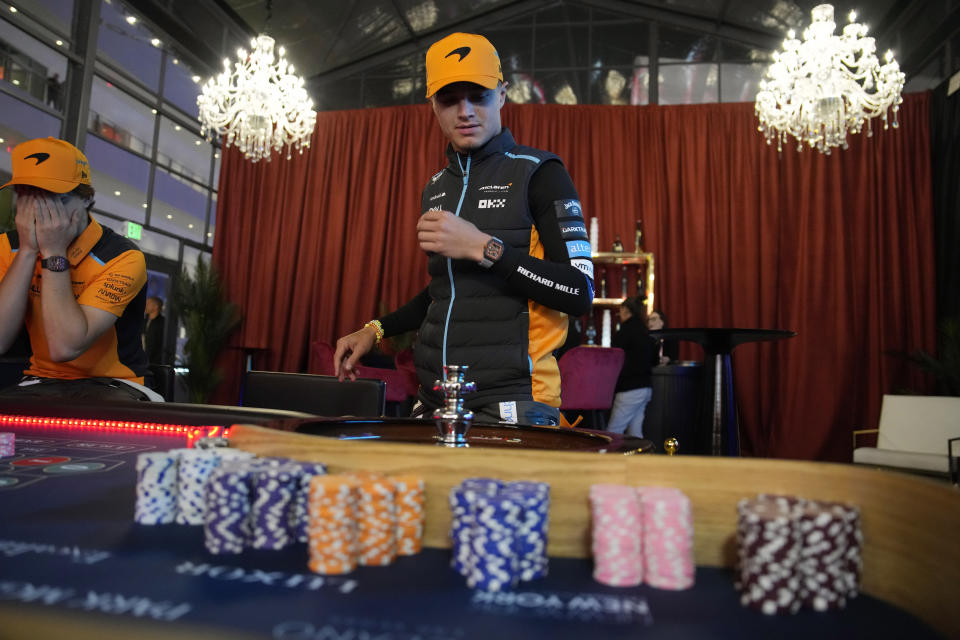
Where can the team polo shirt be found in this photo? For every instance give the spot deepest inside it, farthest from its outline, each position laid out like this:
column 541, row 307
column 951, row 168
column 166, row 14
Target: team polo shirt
column 107, row 272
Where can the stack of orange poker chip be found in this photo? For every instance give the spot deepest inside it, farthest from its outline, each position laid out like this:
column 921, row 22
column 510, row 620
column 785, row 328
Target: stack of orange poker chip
column 410, row 513
column 376, row 520
column 332, row 527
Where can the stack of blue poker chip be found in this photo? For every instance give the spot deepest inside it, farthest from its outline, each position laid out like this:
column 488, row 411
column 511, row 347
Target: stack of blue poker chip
column 299, row 513
column 462, row 499
column 499, row 532
column 156, row 488
column 495, row 566
column 226, row 521
column 531, row 540
column 275, row 488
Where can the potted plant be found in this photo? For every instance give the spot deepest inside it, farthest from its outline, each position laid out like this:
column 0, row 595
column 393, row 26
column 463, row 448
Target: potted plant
column 208, row 319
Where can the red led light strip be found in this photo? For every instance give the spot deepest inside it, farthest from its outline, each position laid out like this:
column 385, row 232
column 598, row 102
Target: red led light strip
column 83, row 424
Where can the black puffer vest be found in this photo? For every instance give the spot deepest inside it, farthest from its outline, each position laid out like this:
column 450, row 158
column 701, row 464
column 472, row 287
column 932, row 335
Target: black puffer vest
column 473, row 319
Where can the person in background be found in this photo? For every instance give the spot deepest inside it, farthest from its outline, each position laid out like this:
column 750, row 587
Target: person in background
column 78, row 287
column 634, row 387
column 153, row 330
column 667, row 350
column 508, row 253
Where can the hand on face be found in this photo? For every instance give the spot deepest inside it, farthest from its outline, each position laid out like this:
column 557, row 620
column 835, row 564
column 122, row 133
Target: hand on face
column 27, row 218
column 451, row 236
column 57, row 225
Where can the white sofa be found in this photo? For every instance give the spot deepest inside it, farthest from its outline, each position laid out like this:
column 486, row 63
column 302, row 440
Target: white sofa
column 913, row 434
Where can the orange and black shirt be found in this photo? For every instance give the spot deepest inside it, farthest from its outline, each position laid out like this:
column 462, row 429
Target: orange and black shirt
column 107, row 272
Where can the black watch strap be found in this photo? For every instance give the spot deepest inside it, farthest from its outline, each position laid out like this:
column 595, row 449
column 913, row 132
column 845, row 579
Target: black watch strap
column 55, row 263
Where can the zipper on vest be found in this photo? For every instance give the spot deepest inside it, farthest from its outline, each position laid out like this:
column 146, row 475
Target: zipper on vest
column 453, row 290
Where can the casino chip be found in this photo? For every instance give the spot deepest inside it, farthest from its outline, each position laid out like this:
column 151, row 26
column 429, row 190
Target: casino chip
column 667, row 545
column 499, row 532
column 7, row 444
column 617, row 535
column 156, row 488
column 794, row 553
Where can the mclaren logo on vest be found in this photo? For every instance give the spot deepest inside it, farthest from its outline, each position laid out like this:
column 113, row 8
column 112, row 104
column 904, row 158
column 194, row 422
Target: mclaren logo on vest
column 463, row 52
column 494, row 203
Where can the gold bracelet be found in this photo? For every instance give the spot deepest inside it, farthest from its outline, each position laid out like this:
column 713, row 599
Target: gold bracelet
column 376, row 327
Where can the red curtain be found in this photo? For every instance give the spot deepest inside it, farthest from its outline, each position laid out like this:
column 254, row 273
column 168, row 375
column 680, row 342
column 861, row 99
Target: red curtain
column 837, row 248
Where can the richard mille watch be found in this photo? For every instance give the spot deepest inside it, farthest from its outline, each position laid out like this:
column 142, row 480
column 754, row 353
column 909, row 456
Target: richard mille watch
column 491, row 252
column 55, row 263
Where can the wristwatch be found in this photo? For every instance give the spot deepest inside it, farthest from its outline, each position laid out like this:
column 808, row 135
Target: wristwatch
column 491, row 252
column 55, row 263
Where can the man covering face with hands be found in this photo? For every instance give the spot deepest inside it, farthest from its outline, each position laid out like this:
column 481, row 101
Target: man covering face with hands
column 76, row 286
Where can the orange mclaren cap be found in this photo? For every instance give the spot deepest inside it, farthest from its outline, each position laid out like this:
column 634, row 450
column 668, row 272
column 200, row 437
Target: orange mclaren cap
column 49, row 163
column 462, row 57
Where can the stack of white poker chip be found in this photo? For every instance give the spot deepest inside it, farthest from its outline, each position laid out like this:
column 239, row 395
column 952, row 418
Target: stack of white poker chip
column 667, row 545
column 795, row 553
column 617, row 535
column 156, row 488
column 194, row 467
column 7, row 444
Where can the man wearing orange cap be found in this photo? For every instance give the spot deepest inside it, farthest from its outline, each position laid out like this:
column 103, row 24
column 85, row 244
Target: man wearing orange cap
column 509, row 255
column 78, row 287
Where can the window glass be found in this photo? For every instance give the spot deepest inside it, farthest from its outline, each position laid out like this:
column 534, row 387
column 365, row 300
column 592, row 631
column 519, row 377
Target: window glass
column 212, row 231
column 216, row 169
column 620, row 43
column 20, row 122
column 183, row 151
column 32, row 67
column 178, row 207
column 120, row 179
column 181, row 85
column 688, row 83
column 57, row 14
column 120, row 118
column 740, row 82
column 190, row 256
column 159, row 244
column 128, row 45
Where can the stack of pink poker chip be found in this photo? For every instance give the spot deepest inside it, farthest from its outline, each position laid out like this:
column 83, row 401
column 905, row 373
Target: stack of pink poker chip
column 667, row 538
column 616, row 535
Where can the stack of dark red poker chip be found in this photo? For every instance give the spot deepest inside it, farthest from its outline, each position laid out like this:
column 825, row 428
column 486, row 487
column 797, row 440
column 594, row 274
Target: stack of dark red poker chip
column 795, row 553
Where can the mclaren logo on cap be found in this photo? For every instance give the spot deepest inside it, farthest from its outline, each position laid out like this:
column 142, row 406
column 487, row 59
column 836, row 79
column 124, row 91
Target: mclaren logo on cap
column 40, row 157
column 462, row 51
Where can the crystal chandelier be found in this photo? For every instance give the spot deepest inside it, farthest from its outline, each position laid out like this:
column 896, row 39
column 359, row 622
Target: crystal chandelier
column 822, row 88
column 260, row 107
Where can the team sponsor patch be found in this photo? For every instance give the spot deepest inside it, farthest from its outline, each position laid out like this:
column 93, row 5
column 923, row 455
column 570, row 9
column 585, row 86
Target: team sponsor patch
column 585, row 267
column 573, row 230
column 436, row 176
column 492, row 203
column 568, row 210
column 439, row 195
column 493, row 188
column 578, row 249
